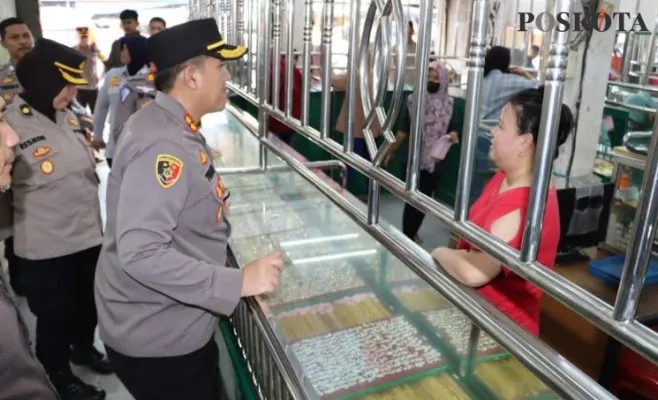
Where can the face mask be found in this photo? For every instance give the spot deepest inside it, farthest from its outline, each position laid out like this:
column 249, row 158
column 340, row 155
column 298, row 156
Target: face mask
column 433, row 87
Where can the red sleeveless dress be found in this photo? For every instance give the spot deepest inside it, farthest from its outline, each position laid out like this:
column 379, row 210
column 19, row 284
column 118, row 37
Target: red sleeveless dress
column 513, row 295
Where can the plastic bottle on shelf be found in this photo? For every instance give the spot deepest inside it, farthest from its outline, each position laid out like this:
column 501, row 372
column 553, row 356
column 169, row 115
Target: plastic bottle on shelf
column 623, row 190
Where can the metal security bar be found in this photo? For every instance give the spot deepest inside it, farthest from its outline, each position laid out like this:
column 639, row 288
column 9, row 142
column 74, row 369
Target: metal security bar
column 367, row 57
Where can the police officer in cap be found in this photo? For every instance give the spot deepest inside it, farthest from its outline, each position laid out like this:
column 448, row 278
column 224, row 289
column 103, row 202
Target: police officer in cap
column 57, row 223
column 162, row 275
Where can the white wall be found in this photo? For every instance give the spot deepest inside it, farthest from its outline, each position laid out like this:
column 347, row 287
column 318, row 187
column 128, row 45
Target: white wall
column 7, row 9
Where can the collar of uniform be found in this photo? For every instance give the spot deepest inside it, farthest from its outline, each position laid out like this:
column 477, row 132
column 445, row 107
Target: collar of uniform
column 178, row 111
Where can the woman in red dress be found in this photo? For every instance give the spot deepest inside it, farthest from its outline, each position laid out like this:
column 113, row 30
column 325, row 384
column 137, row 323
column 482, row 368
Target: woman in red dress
column 501, row 210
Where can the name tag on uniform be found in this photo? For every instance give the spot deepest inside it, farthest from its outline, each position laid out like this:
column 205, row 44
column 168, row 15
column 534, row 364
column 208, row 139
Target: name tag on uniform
column 115, row 81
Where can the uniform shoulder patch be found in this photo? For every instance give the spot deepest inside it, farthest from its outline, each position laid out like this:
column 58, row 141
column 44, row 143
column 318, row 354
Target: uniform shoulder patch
column 26, row 110
column 168, row 170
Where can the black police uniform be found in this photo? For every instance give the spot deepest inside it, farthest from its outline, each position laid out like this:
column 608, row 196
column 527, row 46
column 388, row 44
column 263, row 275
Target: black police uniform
column 161, row 343
column 56, row 210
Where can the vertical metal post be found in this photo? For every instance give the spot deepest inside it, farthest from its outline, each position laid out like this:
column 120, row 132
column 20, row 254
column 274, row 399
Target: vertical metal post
column 627, row 57
column 306, row 55
column 327, row 31
column 274, row 60
column 352, row 73
column 250, row 34
column 641, row 240
column 290, row 57
column 420, row 94
column 472, row 109
column 264, row 78
column 238, row 12
column 468, row 364
column 652, row 54
column 545, row 149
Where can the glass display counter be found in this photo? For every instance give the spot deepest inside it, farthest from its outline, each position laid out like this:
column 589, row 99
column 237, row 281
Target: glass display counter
column 349, row 320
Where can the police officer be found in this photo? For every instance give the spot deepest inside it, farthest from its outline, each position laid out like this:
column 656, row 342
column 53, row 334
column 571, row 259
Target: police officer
column 137, row 92
column 17, row 39
column 162, row 276
column 113, row 93
column 22, row 375
column 57, row 223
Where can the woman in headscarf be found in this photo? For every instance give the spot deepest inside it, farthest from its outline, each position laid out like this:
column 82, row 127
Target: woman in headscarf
column 439, row 132
column 641, row 120
column 56, row 214
column 135, row 60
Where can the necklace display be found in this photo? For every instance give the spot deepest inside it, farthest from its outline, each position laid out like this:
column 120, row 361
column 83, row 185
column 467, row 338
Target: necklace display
column 321, row 319
column 420, row 299
column 441, row 386
column 455, row 329
column 365, row 356
column 510, row 380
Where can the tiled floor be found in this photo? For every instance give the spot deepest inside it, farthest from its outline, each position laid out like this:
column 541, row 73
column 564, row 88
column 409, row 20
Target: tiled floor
column 391, row 210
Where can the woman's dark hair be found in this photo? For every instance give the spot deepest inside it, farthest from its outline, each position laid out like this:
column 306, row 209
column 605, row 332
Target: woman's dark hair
column 527, row 104
column 497, row 58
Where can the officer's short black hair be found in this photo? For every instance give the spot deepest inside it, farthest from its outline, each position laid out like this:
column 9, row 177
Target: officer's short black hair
column 535, row 48
column 6, row 23
column 129, row 14
column 165, row 79
column 160, row 20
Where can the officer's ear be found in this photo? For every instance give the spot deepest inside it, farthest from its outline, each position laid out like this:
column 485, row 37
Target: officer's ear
column 192, row 73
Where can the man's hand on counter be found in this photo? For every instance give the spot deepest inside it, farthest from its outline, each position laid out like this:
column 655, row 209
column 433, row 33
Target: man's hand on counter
column 262, row 275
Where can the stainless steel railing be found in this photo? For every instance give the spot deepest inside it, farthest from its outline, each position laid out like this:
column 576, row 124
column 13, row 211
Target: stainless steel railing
column 366, row 59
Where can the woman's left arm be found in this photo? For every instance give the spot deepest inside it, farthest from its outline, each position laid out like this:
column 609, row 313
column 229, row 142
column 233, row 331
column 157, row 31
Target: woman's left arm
column 475, row 268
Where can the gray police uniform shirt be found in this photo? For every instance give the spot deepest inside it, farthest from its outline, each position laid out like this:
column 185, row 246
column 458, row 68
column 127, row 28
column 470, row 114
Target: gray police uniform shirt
column 54, row 185
column 9, row 87
column 135, row 94
column 108, row 99
column 162, row 277
column 22, row 375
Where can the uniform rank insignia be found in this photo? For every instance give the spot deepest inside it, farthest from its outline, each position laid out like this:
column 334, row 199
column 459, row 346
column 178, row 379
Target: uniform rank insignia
column 203, row 157
column 123, row 93
column 7, row 79
column 191, row 125
column 220, row 212
column 219, row 189
column 168, row 170
column 47, row 167
column 41, row 151
column 26, row 110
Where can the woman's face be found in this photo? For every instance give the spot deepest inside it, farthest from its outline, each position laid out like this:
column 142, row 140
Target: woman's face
column 8, row 141
column 155, row 27
column 508, row 147
column 125, row 55
column 65, row 97
column 433, row 75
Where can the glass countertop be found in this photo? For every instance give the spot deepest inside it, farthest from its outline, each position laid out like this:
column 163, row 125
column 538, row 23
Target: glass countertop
column 352, row 319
